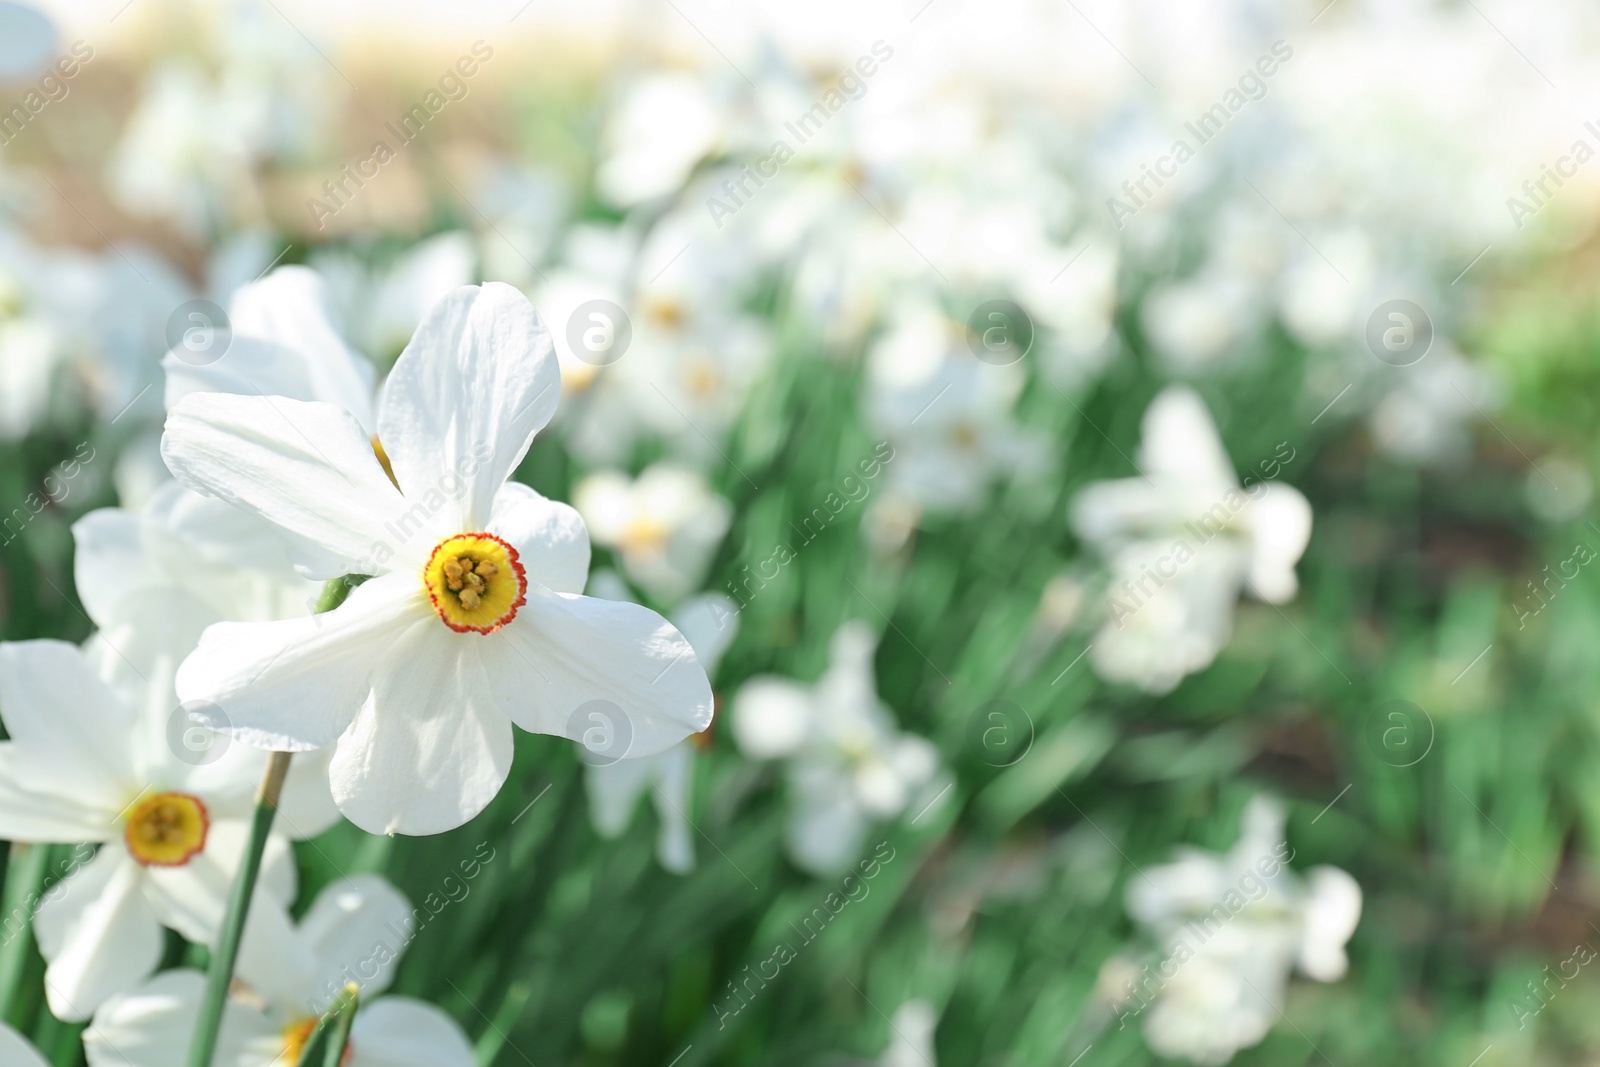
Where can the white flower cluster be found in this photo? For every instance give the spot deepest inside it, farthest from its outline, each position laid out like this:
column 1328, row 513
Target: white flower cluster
column 359, row 418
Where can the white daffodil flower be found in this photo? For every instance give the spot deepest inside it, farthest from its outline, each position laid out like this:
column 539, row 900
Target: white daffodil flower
column 665, row 125
column 708, row 623
column 664, row 525
column 15, row 1051
column 89, row 763
column 1231, row 928
column 152, row 582
column 472, row 620
column 355, row 931
column 848, row 764
column 1181, row 541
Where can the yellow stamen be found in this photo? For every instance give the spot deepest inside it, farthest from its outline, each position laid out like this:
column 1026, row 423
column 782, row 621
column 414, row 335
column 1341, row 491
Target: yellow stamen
column 383, row 459
column 166, row 829
column 475, row 582
column 297, row 1035
column 645, row 536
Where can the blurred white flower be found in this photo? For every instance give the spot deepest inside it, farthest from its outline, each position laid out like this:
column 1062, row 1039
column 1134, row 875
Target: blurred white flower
column 1230, row 929
column 88, row 762
column 665, row 525
column 474, row 605
column 848, row 763
column 1428, row 414
column 1192, row 323
column 665, row 125
column 189, row 151
column 1181, row 540
column 355, row 931
column 947, row 415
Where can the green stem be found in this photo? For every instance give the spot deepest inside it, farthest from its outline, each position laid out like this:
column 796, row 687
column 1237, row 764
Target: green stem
column 220, row 974
column 327, row 1044
column 25, row 882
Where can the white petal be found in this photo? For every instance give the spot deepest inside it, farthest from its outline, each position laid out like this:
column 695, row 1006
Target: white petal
column 614, row 789
column 73, row 729
column 99, row 935
column 346, row 927
column 1103, row 512
column 1279, row 519
column 16, row 1052
column 290, row 307
column 431, row 748
column 33, row 808
column 191, row 898
column 401, row 1032
column 306, row 808
column 109, row 564
column 673, row 797
column 826, row 828
column 771, row 717
column 250, row 367
column 297, row 684
column 225, row 845
column 549, row 537
column 150, row 1027
column 463, row 402
column 1180, row 443
column 306, row 467
column 1332, row 910
column 564, row 652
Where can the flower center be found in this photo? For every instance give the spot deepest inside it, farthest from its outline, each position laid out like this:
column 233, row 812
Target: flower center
column 700, row 377
column 295, row 1037
column 645, row 536
column 166, row 830
column 475, row 582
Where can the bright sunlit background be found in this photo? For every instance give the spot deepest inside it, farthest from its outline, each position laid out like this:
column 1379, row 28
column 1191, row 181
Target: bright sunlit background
column 1126, row 465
